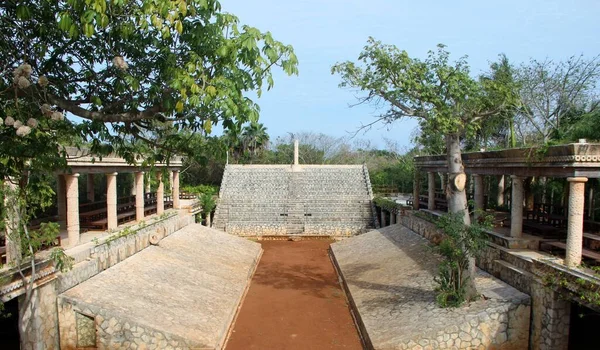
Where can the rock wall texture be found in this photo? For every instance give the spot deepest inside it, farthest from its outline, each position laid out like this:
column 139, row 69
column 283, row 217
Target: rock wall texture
column 39, row 327
column 278, row 200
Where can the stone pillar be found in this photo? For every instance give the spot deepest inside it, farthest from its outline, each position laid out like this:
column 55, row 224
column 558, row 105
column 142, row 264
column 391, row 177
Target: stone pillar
column 72, row 186
column 61, row 201
column 12, row 236
column 591, row 203
column 478, row 196
column 139, row 196
column 392, row 218
column 296, row 147
column 500, row 198
column 176, row 204
column 90, row 187
column 111, row 201
column 516, row 207
column 133, row 186
column 383, row 223
column 416, row 189
column 160, row 195
column 148, row 187
column 575, row 221
column 431, row 191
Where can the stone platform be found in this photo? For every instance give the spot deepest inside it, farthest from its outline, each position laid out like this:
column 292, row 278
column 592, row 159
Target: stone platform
column 182, row 293
column 388, row 275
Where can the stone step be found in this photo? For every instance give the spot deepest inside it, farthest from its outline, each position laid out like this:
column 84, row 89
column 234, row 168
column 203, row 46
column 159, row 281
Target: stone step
column 516, row 277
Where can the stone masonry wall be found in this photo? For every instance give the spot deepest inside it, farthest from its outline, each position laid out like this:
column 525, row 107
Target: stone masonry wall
column 110, row 331
column 39, row 329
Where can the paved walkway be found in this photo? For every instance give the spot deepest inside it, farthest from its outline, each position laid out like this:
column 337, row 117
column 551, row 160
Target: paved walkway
column 294, row 302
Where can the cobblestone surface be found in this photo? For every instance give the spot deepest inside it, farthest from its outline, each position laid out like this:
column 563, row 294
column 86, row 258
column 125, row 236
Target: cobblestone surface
column 389, row 274
column 182, row 293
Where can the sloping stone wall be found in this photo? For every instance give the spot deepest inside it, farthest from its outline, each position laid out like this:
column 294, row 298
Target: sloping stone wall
column 182, row 293
column 273, row 200
column 389, row 278
column 39, row 328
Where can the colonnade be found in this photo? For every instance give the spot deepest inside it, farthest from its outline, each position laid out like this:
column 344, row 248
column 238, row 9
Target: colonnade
column 68, row 199
column 574, row 217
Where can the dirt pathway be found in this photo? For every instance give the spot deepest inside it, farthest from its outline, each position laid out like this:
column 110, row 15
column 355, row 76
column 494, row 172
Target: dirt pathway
column 294, row 302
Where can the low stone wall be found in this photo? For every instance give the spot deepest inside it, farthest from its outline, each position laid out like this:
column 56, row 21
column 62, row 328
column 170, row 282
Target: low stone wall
column 281, row 229
column 253, row 230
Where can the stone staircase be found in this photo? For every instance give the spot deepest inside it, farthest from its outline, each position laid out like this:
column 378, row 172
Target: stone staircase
column 258, row 200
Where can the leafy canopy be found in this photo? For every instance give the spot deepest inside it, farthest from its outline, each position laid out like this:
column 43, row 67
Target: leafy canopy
column 440, row 92
column 131, row 68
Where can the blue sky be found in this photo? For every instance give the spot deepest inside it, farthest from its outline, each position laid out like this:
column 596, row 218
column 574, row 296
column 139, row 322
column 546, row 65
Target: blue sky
column 327, row 31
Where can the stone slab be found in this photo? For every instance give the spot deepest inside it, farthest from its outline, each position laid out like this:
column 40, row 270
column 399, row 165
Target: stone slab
column 389, row 277
column 183, row 292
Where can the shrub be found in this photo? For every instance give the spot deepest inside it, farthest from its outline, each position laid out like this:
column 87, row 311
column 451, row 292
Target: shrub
column 460, row 244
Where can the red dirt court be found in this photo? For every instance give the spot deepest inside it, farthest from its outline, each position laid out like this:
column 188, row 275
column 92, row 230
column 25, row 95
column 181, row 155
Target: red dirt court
column 294, row 302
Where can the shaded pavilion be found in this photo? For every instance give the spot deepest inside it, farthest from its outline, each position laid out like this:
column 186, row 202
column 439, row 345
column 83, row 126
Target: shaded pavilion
column 576, row 162
column 80, row 161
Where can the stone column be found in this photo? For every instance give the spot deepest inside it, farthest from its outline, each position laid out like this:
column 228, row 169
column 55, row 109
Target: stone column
column 176, row 204
column 90, row 187
column 500, row 198
column 416, row 189
column 383, row 223
column 516, row 207
column 479, row 198
column 148, row 187
column 575, row 220
column 296, row 147
column 61, row 201
column 139, row 196
column 12, row 236
column 431, row 191
column 72, row 186
column 591, row 203
column 392, row 218
column 133, row 187
column 111, row 201
column 160, row 195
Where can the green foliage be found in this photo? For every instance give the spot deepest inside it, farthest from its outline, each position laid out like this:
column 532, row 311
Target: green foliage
column 386, row 203
column 62, row 261
column 440, row 92
column 460, row 244
column 208, row 203
column 201, row 189
column 132, row 70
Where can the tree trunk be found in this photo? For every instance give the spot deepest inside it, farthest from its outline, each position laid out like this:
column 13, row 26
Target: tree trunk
column 457, row 203
column 457, row 198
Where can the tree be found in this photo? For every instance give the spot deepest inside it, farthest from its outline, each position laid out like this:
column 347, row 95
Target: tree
column 440, row 93
column 255, row 138
column 123, row 65
column 124, row 76
column 551, row 91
